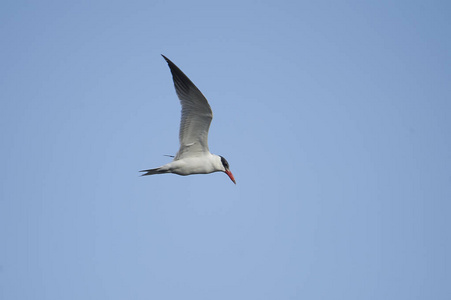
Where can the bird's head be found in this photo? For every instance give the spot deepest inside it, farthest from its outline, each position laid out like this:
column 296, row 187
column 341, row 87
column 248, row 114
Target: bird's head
column 225, row 164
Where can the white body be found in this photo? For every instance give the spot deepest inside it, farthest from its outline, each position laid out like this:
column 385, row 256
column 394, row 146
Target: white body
column 204, row 164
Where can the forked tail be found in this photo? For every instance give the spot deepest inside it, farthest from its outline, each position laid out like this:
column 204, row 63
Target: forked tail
column 153, row 171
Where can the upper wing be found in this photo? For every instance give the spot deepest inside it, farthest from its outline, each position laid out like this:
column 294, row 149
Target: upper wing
column 196, row 115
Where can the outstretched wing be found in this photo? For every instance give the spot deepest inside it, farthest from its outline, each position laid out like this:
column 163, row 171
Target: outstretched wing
column 196, row 115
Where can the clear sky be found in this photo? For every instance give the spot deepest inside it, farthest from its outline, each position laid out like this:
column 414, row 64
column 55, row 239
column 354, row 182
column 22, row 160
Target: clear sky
column 335, row 117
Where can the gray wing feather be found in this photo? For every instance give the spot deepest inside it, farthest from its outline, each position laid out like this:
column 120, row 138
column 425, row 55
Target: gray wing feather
column 196, row 115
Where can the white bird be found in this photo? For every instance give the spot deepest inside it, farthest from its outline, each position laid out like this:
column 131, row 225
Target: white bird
column 193, row 156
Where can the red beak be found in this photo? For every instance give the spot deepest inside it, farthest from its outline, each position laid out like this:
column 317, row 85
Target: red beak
column 230, row 176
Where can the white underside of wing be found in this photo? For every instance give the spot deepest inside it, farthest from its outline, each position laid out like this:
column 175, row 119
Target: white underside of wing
column 193, row 135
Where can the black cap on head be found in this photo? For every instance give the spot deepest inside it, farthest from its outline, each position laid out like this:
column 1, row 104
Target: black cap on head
column 224, row 162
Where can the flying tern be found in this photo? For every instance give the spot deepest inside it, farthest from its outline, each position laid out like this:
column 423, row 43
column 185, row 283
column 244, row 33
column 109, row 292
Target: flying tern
column 193, row 156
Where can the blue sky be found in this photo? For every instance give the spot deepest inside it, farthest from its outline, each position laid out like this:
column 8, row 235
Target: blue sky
column 335, row 117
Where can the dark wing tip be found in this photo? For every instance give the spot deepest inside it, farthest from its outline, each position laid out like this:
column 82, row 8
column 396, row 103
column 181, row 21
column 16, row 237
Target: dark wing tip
column 176, row 70
column 182, row 83
column 170, row 63
column 186, row 89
